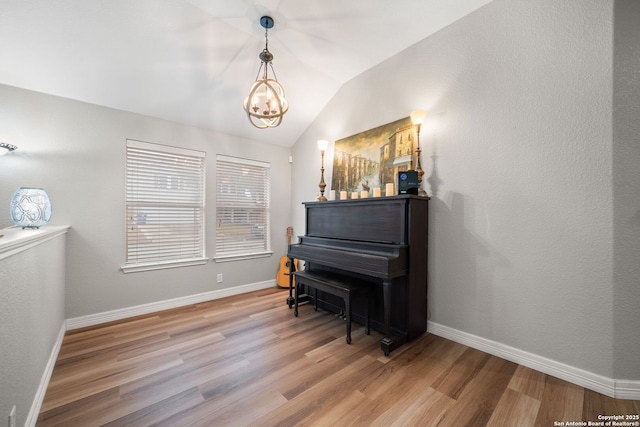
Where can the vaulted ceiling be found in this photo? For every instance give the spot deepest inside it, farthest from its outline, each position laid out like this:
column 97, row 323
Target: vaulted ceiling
column 193, row 61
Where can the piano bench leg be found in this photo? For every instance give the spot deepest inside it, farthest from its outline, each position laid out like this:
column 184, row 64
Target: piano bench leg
column 347, row 309
column 367, row 328
column 345, row 288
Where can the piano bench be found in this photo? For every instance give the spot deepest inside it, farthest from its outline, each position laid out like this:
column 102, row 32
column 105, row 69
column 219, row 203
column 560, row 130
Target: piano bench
column 345, row 287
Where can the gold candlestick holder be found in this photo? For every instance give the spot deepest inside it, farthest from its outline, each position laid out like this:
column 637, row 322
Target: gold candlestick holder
column 417, row 117
column 322, row 145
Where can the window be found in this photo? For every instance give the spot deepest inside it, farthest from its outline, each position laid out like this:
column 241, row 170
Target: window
column 242, row 208
column 164, row 207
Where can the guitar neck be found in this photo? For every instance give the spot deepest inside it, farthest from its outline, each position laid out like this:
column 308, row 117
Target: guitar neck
column 289, row 233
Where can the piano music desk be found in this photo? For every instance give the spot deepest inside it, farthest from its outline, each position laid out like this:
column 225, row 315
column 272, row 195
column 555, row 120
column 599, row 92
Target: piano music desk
column 341, row 286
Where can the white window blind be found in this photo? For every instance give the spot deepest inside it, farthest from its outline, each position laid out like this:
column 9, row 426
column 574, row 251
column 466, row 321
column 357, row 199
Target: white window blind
column 164, row 206
column 242, row 208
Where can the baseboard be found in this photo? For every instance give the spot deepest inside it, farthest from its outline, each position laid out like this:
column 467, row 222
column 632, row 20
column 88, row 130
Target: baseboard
column 123, row 313
column 34, row 411
column 619, row 389
column 627, row 389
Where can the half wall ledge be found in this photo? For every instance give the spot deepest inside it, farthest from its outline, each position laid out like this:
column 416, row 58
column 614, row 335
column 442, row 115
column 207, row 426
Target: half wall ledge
column 15, row 239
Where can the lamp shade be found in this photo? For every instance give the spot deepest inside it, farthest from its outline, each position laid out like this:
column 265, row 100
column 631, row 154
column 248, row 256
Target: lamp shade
column 418, row 116
column 30, row 207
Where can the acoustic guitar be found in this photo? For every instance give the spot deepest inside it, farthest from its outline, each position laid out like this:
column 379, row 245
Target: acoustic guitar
column 282, row 278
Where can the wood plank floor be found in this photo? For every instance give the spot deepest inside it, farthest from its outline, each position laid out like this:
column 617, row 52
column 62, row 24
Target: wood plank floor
column 246, row 360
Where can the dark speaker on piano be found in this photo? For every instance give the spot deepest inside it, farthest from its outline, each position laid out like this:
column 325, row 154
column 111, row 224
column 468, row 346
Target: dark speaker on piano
column 408, row 182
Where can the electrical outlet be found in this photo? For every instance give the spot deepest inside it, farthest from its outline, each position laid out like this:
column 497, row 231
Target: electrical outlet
column 219, row 277
column 12, row 417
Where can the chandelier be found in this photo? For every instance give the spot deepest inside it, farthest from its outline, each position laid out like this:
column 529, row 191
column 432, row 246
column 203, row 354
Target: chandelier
column 265, row 105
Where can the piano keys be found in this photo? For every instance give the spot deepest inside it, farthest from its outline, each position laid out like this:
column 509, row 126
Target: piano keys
column 381, row 240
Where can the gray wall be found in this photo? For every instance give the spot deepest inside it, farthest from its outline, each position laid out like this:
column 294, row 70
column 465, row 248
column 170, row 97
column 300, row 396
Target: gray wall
column 626, row 188
column 76, row 151
column 518, row 155
column 32, row 290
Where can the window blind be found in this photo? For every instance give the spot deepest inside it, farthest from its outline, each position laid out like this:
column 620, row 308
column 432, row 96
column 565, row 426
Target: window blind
column 164, row 204
column 242, row 207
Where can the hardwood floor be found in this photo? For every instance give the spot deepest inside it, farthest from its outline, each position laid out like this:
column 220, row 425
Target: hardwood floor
column 246, row 360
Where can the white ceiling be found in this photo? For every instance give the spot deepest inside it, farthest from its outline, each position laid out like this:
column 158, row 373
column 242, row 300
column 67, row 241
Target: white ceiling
column 193, row 61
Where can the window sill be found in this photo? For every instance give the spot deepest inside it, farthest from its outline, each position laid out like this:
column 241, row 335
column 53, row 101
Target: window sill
column 240, row 257
column 136, row 268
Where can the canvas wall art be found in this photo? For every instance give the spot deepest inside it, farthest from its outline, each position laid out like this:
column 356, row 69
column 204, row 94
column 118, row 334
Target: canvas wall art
column 373, row 158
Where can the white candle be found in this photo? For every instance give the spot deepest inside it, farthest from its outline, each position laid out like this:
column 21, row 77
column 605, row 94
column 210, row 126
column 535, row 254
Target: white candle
column 389, row 191
column 354, row 195
column 376, row 192
column 364, row 194
column 332, row 195
column 343, row 195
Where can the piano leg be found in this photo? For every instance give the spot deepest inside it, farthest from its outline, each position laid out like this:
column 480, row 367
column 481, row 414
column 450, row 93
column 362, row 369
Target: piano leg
column 389, row 342
column 386, row 341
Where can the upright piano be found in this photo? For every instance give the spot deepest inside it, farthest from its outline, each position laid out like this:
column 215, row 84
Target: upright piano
column 382, row 240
